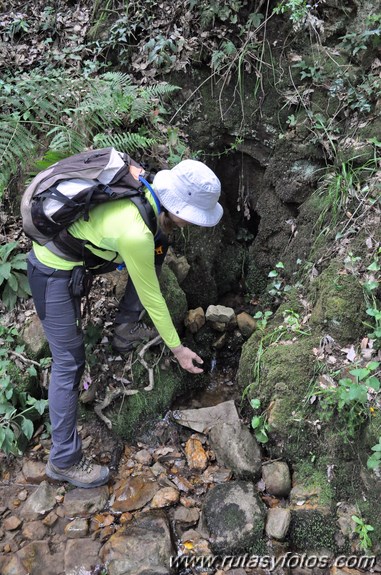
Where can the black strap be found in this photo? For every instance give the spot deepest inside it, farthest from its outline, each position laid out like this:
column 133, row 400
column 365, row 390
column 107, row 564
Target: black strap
column 75, row 248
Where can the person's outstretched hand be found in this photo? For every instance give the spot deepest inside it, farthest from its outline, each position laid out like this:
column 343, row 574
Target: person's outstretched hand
column 186, row 357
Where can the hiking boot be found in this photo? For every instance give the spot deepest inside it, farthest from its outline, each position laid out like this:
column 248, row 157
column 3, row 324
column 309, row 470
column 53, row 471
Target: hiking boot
column 84, row 474
column 129, row 335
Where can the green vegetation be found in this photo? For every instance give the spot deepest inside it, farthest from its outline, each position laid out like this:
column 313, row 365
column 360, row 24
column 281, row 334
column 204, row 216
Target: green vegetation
column 18, row 408
column 374, row 460
column 348, row 398
column 64, row 112
column 13, row 282
column 363, row 530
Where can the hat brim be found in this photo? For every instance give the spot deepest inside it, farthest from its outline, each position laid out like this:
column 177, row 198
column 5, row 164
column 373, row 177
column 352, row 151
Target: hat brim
column 165, row 185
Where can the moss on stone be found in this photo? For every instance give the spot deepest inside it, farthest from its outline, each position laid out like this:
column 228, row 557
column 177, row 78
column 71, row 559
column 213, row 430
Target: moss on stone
column 174, row 296
column 312, row 531
column 138, row 413
column 338, row 304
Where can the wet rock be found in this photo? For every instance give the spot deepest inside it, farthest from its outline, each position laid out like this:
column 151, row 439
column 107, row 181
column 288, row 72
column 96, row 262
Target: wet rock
column 195, row 319
column 236, row 448
column 186, row 515
column 182, row 483
column 278, row 523
column 133, row 493
column 277, row 478
column 34, row 530
column 192, row 542
column 84, row 502
column 246, row 324
column 233, row 517
column 215, row 474
column 204, row 418
column 40, row 502
column 195, row 454
column 165, row 497
column 144, row 457
column 142, row 545
column 77, row 528
column 33, row 471
column 81, row 557
column 219, row 314
column 11, row 523
column 37, row 558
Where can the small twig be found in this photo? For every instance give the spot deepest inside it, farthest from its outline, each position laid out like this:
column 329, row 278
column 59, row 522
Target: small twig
column 23, row 358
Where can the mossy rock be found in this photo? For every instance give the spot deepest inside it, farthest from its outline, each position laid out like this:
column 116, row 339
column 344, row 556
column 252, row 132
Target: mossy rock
column 174, row 296
column 137, row 414
column 338, row 304
column 312, row 531
column 286, row 371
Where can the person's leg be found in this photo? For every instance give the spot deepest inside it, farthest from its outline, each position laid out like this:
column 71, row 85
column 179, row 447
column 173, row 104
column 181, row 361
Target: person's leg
column 55, row 309
column 128, row 325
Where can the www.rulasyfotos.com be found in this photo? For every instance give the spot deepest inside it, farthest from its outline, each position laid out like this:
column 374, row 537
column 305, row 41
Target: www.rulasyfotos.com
column 270, row 562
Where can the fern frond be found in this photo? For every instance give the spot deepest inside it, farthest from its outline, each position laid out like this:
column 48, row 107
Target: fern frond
column 16, row 144
column 126, row 142
column 66, row 139
column 163, row 89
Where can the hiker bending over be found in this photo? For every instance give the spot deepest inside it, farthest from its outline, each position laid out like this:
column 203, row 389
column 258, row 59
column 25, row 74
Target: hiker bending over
column 116, row 233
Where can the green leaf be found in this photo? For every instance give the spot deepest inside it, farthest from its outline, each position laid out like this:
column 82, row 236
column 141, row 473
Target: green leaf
column 40, row 405
column 13, row 283
column 5, row 271
column 27, row 427
column 361, row 373
column 262, row 436
column 374, row 267
column 256, row 421
column 273, row 274
column 255, row 403
column 357, row 520
column 373, row 382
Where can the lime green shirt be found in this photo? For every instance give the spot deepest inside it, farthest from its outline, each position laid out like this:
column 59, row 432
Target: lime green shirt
column 118, row 227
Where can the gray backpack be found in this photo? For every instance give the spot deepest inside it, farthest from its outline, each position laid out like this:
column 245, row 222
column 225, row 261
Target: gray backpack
column 67, row 190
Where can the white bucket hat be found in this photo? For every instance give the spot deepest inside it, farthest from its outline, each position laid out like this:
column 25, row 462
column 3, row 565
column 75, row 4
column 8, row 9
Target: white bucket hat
column 190, row 191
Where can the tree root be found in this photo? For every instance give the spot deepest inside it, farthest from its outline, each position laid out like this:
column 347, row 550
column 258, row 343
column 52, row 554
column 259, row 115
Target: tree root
column 112, row 395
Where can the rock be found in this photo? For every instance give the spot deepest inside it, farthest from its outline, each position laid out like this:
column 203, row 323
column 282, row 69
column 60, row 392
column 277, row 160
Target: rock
column 33, row 335
column 34, row 530
column 144, row 457
column 195, row 454
column 84, row 502
column 165, row 497
column 11, row 523
column 278, row 523
column 233, row 517
column 133, row 493
column 220, row 342
column 246, row 324
column 143, row 545
column 277, row 478
column 203, row 419
column 38, row 558
column 178, row 264
column 236, row 448
column 77, row 528
column 186, row 515
column 220, row 314
column 33, row 471
column 81, row 557
column 193, row 542
column 40, row 502
column 195, row 319
column 215, row 474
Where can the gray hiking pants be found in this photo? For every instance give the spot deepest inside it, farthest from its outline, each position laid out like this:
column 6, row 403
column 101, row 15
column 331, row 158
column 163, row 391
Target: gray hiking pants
column 56, row 310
